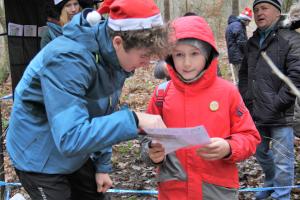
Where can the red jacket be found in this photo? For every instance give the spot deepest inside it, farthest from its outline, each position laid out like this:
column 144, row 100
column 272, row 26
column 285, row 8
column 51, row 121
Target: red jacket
column 190, row 105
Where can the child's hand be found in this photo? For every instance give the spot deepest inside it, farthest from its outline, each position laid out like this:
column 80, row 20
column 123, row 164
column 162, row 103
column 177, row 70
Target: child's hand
column 217, row 149
column 156, row 152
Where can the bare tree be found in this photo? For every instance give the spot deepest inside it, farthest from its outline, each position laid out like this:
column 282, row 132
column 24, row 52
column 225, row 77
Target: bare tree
column 287, row 4
column 166, row 10
column 235, row 7
column 2, row 19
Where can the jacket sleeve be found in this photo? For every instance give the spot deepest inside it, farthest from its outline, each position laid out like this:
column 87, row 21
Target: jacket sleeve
column 243, row 78
column 242, row 40
column 102, row 160
column 244, row 136
column 239, row 38
column 64, row 80
column 285, row 98
column 297, row 118
column 46, row 38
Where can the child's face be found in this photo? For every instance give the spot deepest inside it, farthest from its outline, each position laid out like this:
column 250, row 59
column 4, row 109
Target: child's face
column 133, row 58
column 188, row 60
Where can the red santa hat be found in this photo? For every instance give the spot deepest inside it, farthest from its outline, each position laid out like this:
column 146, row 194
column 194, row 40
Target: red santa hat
column 127, row 15
column 104, row 8
column 246, row 14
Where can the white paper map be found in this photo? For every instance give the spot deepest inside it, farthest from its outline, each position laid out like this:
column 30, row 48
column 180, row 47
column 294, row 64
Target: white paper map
column 176, row 138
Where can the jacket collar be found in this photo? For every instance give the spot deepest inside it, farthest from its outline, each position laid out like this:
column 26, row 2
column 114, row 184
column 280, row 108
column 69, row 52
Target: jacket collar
column 205, row 81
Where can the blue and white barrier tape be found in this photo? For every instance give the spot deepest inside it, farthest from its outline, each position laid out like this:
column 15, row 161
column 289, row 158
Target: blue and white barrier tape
column 148, row 192
column 259, row 189
column 155, row 192
column 7, row 97
column 2, row 183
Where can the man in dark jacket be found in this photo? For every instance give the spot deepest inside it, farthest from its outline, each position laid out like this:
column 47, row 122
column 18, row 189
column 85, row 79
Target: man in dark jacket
column 268, row 97
column 236, row 39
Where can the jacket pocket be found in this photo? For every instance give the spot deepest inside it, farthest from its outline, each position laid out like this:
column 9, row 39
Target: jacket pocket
column 213, row 192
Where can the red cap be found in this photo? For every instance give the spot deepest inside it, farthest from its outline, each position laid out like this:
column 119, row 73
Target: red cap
column 133, row 15
column 246, row 14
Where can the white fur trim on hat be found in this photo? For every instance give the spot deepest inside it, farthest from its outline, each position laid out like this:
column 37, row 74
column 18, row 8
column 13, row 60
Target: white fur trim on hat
column 242, row 16
column 57, row 2
column 135, row 23
column 93, row 17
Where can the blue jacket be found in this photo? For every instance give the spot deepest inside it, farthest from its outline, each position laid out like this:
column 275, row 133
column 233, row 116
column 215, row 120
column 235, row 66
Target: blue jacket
column 236, row 39
column 53, row 31
column 64, row 106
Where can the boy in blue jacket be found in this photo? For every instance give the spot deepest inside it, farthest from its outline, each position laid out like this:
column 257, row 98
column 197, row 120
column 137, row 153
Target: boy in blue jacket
column 64, row 118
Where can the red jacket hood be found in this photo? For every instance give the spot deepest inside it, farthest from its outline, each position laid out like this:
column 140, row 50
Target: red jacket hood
column 195, row 27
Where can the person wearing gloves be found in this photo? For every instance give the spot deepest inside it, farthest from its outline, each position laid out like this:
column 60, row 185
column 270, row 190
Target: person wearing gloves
column 196, row 96
column 64, row 119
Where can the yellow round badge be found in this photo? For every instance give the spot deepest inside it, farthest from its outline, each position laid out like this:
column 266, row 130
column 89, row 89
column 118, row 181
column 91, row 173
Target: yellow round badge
column 214, row 106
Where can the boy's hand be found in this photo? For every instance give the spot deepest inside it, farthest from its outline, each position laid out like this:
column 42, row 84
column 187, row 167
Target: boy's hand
column 150, row 121
column 156, row 152
column 217, row 149
column 103, row 182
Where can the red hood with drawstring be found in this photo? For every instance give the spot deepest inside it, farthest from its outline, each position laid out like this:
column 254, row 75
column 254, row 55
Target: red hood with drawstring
column 217, row 105
column 200, row 30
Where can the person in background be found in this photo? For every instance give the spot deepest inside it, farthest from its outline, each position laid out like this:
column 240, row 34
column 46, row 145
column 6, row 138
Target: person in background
column 293, row 22
column 236, row 39
column 269, row 99
column 196, row 96
column 65, row 116
column 58, row 14
column 68, row 8
column 292, row 19
column 161, row 70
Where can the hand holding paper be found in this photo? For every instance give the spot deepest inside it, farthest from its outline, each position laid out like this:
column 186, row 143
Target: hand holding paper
column 217, row 149
column 156, row 152
column 176, row 138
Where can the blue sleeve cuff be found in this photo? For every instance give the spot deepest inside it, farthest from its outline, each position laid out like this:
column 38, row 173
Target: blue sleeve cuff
column 104, row 168
column 102, row 160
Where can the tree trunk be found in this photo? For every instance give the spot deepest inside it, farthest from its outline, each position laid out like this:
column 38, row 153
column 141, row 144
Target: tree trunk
column 286, row 5
column 235, row 7
column 186, row 6
column 166, row 10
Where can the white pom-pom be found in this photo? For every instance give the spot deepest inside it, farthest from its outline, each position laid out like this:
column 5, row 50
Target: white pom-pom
column 93, row 17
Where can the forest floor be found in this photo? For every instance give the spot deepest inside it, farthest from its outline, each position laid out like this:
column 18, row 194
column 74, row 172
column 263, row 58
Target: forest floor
column 129, row 172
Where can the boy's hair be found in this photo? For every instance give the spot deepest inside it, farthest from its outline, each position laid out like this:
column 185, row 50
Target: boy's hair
column 155, row 39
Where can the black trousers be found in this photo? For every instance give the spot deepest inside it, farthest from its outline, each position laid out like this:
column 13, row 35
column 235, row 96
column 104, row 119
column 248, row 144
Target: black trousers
column 80, row 185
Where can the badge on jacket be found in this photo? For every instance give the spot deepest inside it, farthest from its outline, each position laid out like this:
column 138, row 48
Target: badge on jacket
column 214, row 106
column 240, row 110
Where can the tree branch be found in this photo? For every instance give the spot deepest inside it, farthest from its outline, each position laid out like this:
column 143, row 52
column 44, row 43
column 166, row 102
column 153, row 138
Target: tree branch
column 280, row 74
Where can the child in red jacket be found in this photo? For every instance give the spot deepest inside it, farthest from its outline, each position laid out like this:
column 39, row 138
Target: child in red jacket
column 196, row 96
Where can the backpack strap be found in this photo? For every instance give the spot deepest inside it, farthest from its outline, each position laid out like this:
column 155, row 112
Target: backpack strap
column 160, row 94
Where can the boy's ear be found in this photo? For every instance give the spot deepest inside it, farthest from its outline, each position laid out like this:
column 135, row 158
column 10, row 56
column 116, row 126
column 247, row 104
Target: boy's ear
column 117, row 42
